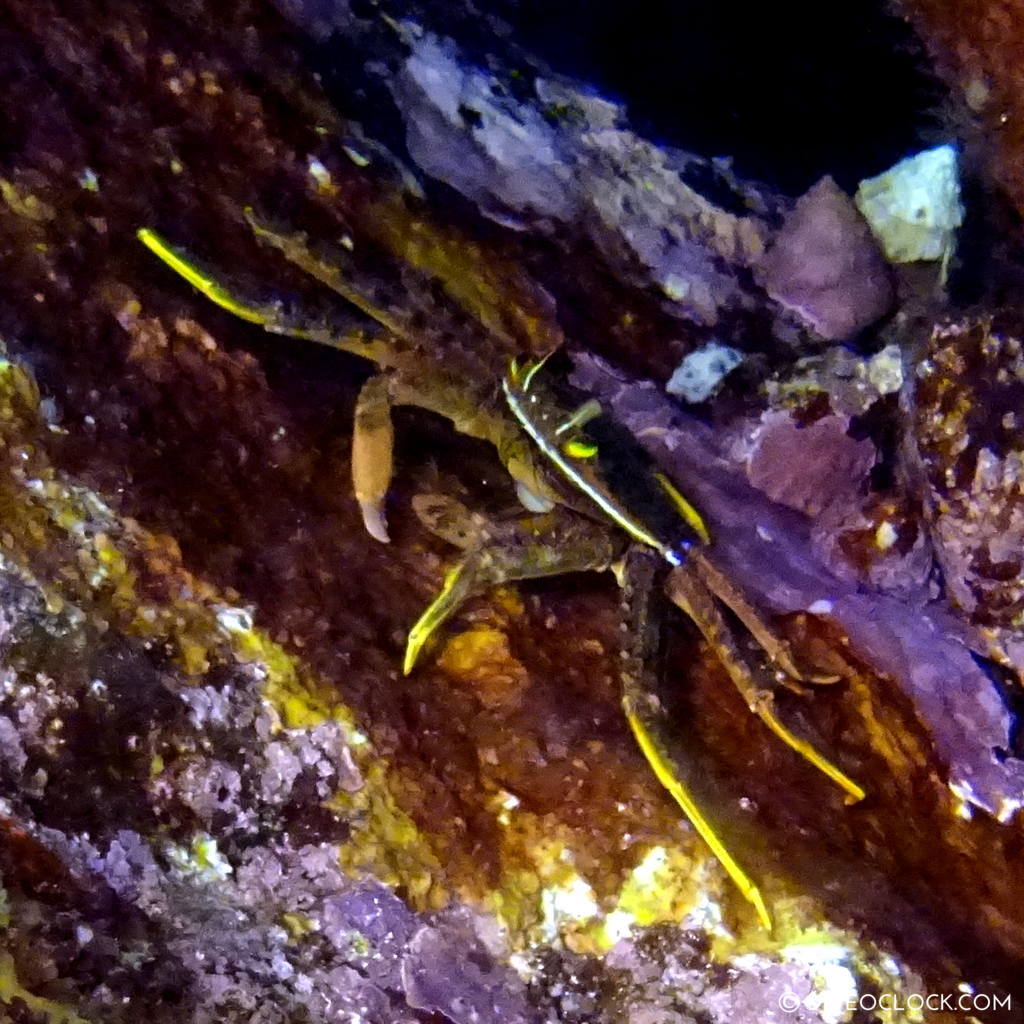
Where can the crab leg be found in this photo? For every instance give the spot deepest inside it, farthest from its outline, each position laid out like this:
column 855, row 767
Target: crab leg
column 296, row 250
column 460, row 583
column 416, row 381
column 412, row 380
column 768, row 639
column 690, row 593
column 373, row 434
column 648, row 721
column 528, row 547
column 271, row 316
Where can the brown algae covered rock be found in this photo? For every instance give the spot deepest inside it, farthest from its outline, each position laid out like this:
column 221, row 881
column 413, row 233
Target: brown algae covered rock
column 967, row 444
column 976, row 46
column 228, row 862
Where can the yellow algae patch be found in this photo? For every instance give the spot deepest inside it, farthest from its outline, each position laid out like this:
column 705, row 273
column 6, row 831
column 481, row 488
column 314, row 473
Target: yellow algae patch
column 545, row 893
column 388, row 843
column 508, row 601
column 91, row 563
column 24, row 204
column 200, row 860
column 545, row 896
column 481, row 659
column 664, row 886
column 299, row 925
column 47, row 1009
column 300, row 700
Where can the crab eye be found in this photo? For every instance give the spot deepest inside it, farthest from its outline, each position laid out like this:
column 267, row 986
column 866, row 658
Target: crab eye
column 578, row 448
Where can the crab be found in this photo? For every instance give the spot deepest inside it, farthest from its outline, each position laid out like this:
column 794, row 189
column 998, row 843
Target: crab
column 595, row 502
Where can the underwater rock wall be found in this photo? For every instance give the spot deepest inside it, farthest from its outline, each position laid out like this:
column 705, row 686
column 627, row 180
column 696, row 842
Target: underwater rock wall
column 222, row 800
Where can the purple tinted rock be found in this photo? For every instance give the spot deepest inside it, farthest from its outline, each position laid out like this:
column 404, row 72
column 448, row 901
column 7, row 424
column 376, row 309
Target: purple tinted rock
column 765, row 549
column 826, row 267
column 375, row 915
column 12, row 754
column 808, row 467
column 505, row 155
column 448, row 970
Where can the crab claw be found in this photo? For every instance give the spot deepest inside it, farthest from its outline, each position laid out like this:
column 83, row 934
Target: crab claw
column 373, row 442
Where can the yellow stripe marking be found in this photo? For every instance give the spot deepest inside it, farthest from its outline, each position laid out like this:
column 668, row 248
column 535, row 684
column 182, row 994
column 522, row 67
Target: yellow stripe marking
column 684, row 508
column 205, row 284
column 854, row 792
column 433, row 615
column 579, row 449
column 616, row 514
column 666, row 776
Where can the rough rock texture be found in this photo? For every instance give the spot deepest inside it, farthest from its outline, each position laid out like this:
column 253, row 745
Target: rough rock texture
column 966, row 441
column 191, row 822
column 832, row 469
column 825, row 265
column 962, row 720
column 965, row 399
column 584, row 170
column 977, row 47
column 223, row 800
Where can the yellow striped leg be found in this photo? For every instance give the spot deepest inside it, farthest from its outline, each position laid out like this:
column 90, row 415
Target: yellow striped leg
column 761, row 630
column 528, row 547
column 648, row 720
column 690, row 593
column 271, row 316
column 373, row 435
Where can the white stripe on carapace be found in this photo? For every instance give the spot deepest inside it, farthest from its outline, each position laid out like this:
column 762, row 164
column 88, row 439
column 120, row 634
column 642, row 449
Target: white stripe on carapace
column 612, row 509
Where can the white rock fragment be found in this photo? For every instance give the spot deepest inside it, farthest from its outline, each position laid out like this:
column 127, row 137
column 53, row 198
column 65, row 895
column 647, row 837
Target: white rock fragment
column 319, row 173
column 886, row 535
column 834, row 983
column 885, row 370
column 1008, row 807
column 701, row 373
column 201, row 860
column 569, row 902
column 234, row 620
column 914, row 208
